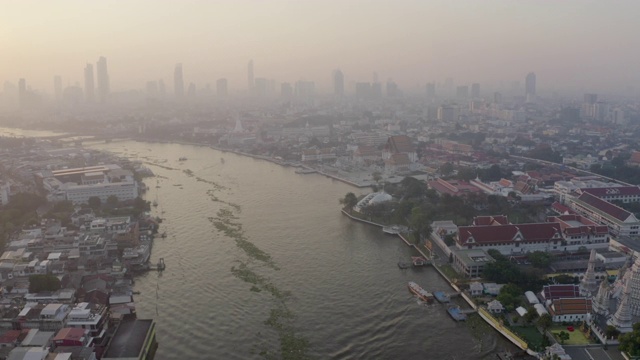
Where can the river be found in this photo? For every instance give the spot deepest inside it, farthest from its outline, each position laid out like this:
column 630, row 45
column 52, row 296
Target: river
column 260, row 259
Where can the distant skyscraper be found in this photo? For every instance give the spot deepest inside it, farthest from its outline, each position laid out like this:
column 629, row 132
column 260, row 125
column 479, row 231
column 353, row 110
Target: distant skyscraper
column 250, row 75
column 178, row 81
column 338, row 83
column 475, row 90
column 22, row 92
column 57, row 87
column 88, row 84
column 305, row 89
column 103, row 79
column 221, row 87
column 530, row 85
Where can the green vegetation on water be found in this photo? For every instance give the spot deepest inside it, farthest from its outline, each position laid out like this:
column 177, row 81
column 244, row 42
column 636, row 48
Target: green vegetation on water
column 281, row 318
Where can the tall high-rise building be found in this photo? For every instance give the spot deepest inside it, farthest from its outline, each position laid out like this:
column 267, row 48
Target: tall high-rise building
column 178, row 81
column 103, row 79
column 57, row 87
column 338, row 83
column 22, row 92
column 89, row 84
column 530, row 85
column 221, row 87
column 475, row 90
column 250, row 75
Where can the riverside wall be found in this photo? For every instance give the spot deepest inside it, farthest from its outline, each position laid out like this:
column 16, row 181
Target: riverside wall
column 484, row 315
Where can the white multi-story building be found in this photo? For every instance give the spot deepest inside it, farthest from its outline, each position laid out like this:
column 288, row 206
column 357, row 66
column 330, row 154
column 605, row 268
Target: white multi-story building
column 78, row 185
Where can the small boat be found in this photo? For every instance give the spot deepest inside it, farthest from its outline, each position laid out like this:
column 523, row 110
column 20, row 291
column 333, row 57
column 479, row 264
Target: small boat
column 456, row 313
column 418, row 261
column 155, row 203
column 305, row 171
column 421, row 293
column 404, row 265
column 441, row 297
column 164, row 235
column 182, row 159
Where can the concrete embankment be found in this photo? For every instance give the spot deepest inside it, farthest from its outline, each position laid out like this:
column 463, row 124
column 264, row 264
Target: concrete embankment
column 486, row 316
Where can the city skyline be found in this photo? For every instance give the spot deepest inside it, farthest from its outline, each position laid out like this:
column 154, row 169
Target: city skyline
column 507, row 41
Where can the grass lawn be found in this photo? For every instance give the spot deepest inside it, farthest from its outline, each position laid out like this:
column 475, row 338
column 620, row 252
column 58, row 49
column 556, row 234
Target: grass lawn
column 531, row 335
column 449, row 271
column 576, row 337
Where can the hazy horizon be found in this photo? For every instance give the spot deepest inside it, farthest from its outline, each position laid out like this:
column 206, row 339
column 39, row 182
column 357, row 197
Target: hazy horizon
column 569, row 44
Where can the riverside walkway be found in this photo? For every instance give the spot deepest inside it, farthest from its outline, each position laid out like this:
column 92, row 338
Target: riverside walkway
column 484, row 314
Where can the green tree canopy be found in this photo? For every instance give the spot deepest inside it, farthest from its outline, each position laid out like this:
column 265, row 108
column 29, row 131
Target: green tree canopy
column 40, row 283
column 94, row 202
column 349, row 201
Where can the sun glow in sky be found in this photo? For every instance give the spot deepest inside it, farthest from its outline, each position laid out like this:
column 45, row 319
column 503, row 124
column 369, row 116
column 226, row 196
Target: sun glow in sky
column 582, row 43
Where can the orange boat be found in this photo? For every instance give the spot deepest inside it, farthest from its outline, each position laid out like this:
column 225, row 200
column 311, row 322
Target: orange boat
column 421, row 293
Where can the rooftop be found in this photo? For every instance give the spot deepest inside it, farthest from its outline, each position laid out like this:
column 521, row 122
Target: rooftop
column 128, row 338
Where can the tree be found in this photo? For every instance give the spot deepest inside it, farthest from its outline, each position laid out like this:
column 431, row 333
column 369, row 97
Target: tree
column 563, row 336
column 630, row 342
column 531, row 315
column 539, row 259
column 94, row 202
column 376, row 176
column 612, row 332
column 446, row 169
column 420, row 223
column 509, row 296
column 545, row 321
column 40, row 283
column 112, row 201
column 349, row 201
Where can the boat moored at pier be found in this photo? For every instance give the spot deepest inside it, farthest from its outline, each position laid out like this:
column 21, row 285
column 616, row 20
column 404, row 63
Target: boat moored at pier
column 441, row 296
column 421, row 293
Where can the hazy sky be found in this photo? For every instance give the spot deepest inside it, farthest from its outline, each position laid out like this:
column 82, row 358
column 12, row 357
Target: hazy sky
column 578, row 43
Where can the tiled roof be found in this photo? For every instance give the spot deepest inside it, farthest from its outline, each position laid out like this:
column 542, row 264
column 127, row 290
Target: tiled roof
column 605, row 206
column 537, row 232
column 561, row 209
column 399, row 144
column 490, row 220
column 572, row 306
column 552, row 292
column 613, row 191
column 399, row 159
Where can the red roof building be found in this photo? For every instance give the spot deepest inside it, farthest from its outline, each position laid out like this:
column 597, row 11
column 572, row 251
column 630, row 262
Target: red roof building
column 560, row 291
column 570, row 310
column 71, row 337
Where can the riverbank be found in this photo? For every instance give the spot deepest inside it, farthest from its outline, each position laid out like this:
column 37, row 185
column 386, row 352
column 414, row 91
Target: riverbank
column 488, row 318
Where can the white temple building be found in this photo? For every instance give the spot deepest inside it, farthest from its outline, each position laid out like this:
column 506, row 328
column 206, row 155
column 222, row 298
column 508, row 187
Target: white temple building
column 589, row 284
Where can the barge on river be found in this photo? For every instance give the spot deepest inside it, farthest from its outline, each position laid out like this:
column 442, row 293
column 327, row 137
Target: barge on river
column 441, row 297
column 456, row 313
column 421, row 293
